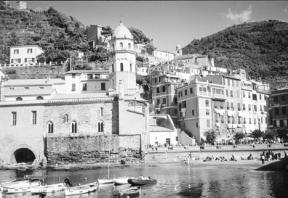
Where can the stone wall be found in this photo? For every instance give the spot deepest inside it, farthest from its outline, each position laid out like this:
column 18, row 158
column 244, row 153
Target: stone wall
column 88, row 149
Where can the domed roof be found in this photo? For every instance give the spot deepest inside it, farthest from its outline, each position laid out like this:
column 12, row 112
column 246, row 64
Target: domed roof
column 122, row 31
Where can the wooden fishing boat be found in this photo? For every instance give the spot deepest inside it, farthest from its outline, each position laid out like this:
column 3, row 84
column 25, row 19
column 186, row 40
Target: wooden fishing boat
column 53, row 188
column 20, row 186
column 140, row 181
column 127, row 193
column 82, row 189
column 121, row 180
column 106, row 181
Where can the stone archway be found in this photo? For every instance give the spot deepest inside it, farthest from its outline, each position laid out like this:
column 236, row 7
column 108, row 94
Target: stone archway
column 24, row 155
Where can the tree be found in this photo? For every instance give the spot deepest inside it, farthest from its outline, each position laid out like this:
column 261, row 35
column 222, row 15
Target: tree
column 256, row 134
column 269, row 135
column 210, row 137
column 139, row 36
column 238, row 136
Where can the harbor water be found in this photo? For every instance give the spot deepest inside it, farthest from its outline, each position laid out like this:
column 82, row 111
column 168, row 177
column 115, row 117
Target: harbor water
column 173, row 180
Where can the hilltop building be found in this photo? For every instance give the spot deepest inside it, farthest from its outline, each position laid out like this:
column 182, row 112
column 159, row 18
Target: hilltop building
column 25, row 55
column 95, row 37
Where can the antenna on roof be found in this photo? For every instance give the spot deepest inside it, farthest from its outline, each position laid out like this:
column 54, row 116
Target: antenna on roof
column 121, row 19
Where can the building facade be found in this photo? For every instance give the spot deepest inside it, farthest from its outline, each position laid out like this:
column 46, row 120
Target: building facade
column 278, row 109
column 25, row 55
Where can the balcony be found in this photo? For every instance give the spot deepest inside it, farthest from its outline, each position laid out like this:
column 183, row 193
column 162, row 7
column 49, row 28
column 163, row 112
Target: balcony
column 218, row 97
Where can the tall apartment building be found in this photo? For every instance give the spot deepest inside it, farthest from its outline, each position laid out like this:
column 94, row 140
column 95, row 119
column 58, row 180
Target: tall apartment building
column 278, row 108
column 224, row 103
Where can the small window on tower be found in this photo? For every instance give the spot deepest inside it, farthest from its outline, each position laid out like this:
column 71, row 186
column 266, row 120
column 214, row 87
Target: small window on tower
column 121, row 45
column 121, row 67
column 129, row 45
column 130, row 67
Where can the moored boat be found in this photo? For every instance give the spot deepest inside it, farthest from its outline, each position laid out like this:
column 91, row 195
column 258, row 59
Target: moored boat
column 140, row 181
column 127, row 193
column 105, row 181
column 121, row 180
column 20, row 186
column 53, row 188
column 82, row 189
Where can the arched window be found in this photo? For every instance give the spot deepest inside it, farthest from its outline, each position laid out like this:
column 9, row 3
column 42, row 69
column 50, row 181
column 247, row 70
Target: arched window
column 129, row 45
column 65, row 118
column 121, row 67
column 39, row 98
column 121, row 45
column 130, row 67
column 19, row 98
column 50, row 127
column 74, row 127
column 100, row 127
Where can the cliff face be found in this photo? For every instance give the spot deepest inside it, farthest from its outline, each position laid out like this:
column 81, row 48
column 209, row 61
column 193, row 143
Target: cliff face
column 259, row 47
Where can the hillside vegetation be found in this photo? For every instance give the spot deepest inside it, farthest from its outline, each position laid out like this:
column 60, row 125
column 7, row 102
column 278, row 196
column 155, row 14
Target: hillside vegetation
column 259, row 47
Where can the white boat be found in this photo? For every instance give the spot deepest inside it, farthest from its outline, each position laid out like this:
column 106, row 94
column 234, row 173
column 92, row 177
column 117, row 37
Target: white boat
column 105, row 181
column 82, row 189
column 19, row 186
column 121, row 180
column 53, row 188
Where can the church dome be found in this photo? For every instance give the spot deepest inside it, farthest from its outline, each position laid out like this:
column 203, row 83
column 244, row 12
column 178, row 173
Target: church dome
column 122, row 31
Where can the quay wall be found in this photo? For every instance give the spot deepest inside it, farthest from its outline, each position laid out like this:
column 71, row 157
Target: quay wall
column 177, row 156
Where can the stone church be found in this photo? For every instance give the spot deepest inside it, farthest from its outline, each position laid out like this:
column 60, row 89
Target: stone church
column 70, row 126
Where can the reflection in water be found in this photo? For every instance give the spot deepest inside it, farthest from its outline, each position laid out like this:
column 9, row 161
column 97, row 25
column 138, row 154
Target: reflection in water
column 175, row 181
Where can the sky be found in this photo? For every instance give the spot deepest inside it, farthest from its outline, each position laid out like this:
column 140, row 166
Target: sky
column 170, row 23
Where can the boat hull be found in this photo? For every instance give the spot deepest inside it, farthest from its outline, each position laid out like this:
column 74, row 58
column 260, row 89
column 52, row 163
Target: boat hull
column 83, row 189
column 141, row 182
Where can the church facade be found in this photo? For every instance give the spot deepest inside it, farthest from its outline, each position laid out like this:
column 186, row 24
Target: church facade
column 78, row 124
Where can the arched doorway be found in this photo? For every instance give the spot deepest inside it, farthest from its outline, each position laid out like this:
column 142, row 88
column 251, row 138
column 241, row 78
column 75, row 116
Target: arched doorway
column 24, row 155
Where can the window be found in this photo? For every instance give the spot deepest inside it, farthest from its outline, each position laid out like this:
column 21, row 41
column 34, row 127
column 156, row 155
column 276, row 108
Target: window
column 121, row 67
column 65, row 118
column 129, row 45
column 275, row 99
column 207, row 103
column 29, row 51
column 227, row 105
column 74, row 127
column 227, row 94
column 249, row 107
column 254, row 97
column 112, row 67
column 193, row 112
column 84, row 88
column 283, row 110
column 101, row 111
column 163, row 89
column 34, row 117
column 243, row 94
column 255, row 107
column 25, row 59
column 239, row 120
column 158, row 90
column 231, row 93
column 103, row 86
column 121, row 45
column 73, row 87
column 16, row 51
column 207, row 112
column 191, row 90
column 239, row 107
column 130, row 67
column 158, row 101
column 26, row 87
column 14, row 118
column 50, row 127
column 197, row 124
column 164, row 101
column 276, row 111
column 73, row 75
column 39, row 98
column 283, row 97
column 100, row 127
column 185, row 92
column 184, row 104
column 19, row 99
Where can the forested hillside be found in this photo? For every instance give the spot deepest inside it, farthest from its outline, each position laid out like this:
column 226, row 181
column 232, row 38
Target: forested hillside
column 259, row 47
